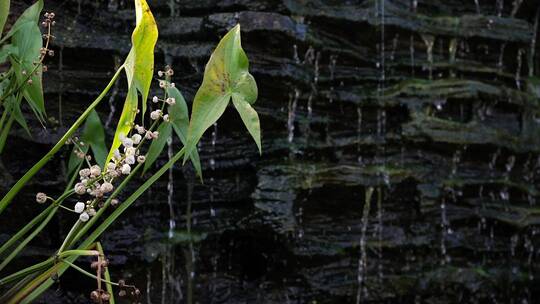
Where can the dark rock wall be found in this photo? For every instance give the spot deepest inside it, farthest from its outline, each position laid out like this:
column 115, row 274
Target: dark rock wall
column 401, row 152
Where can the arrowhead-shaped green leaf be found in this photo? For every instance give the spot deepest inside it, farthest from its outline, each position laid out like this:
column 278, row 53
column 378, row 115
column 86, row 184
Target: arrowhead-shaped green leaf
column 179, row 117
column 26, row 37
column 4, row 12
column 139, row 66
column 157, row 145
column 226, row 76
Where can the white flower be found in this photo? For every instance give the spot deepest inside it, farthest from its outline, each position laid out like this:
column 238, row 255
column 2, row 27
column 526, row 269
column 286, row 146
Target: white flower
column 155, row 114
column 84, row 217
column 84, row 181
column 130, row 159
column 106, row 187
column 160, row 73
column 126, row 169
column 148, row 135
column 136, row 138
column 141, row 159
column 121, row 136
column 80, row 188
column 91, row 212
column 84, row 172
column 117, row 155
column 155, row 134
column 130, row 151
column 79, row 207
column 171, row 101
column 114, row 202
column 140, row 129
column 155, row 99
column 166, row 117
column 95, row 171
column 111, row 166
column 41, row 197
column 127, row 142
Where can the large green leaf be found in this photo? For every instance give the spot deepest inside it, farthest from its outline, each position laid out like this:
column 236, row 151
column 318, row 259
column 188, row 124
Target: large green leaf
column 26, row 37
column 4, row 12
column 226, row 76
column 179, row 117
column 157, row 145
column 139, row 66
column 94, row 136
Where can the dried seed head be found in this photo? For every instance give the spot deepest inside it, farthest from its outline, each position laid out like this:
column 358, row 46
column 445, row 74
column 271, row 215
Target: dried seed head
column 162, row 84
column 171, row 101
column 148, row 135
column 141, row 159
column 94, row 296
column 79, row 207
column 41, row 197
column 84, row 217
column 114, row 202
column 122, row 293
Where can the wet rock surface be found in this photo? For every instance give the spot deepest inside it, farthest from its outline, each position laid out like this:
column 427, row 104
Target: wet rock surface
column 401, row 153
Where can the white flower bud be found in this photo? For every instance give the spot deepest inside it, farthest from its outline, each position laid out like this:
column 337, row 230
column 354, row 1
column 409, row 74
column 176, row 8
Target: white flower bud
column 84, row 181
column 80, row 188
column 140, row 129
column 79, row 207
column 127, row 142
column 121, row 136
column 111, row 166
column 141, row 159
column 149, row 135
column 166, row 117
column 126, row 169
column 84, row 172
column 116, row 155
column 162, row 84
column 155, row 99
column 160, row 73
column 155, row 114
column 171, row 101
column 106, row 187
column 95, row 171
column 136, row 139
column 84, row 217
column 172, row 84
column 41, row 197
column 155, row 134
column 130, row 159
column 91, row 212
column 114, row 202
column 130, row 151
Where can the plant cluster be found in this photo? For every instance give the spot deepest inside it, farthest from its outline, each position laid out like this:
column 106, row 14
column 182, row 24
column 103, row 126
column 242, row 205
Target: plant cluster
column 97, row 174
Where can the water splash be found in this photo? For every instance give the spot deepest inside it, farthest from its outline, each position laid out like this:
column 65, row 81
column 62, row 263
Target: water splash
column 362, row 261
column 293, row 101
column 429, row 40
column 452, row 50
column 515, row 8
column 500, row 7
column 477, row 5
column 518, row 69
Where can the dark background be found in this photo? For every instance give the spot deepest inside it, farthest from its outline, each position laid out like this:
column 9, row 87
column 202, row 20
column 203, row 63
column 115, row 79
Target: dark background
column 346, row 103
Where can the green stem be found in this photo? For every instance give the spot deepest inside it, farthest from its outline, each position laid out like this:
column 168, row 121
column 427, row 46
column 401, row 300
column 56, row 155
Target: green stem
column 25, row 229
column 30, row 173
column 37, row 286
column 16, row 251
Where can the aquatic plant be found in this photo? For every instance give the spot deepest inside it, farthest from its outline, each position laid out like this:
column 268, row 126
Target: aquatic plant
column 98, row 176
column 22, row 49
